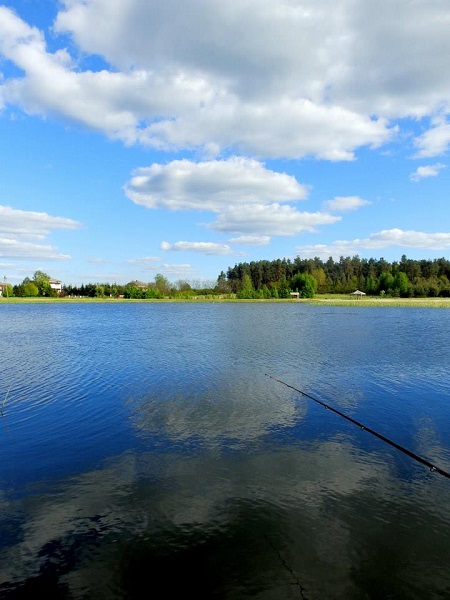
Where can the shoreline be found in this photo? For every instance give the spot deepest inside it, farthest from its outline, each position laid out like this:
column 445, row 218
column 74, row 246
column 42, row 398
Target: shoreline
column 318, row 300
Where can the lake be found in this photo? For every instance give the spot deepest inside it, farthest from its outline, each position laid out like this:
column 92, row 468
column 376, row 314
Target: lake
column 146, row 452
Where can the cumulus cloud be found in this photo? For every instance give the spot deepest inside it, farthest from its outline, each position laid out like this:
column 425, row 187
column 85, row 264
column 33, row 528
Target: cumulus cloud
column 212, row 248
column 237, row 78
column 16, row 249
column 426, row 171
column 408, row 239
column 202, row 247
column 241, row 77
column 393, row 67
column 289, row 127
column 110, row 101
column 30, row 224
column 247, row 196
column 376, row 241
column 269, row 219
column 18, row 229
column 433, row 142
column 210, row 185
column 344, row 203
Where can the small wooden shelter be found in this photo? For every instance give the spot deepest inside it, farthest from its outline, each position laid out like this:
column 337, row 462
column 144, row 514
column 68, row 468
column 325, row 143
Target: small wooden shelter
column 358, row 294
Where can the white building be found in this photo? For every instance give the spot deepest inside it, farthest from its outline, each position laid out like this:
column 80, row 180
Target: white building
column 3, row 291
column 55, row 284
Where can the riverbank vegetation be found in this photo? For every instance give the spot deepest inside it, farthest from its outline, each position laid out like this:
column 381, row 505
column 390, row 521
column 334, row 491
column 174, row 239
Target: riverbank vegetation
column 404, row 279
column 330, row 281
column 342, row 300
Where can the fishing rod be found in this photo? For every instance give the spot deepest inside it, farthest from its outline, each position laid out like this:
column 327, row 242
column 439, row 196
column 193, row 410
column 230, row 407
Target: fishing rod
column 412, row 455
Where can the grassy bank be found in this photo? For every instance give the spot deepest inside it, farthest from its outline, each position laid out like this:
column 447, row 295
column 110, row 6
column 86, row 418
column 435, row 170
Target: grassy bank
column 370, row 301
column 319, row 300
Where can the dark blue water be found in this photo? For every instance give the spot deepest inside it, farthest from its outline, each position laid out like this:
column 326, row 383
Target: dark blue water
column 145, row 452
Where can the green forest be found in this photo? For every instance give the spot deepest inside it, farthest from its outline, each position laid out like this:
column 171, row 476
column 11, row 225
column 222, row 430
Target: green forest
column 274, row 279
column 406, row 278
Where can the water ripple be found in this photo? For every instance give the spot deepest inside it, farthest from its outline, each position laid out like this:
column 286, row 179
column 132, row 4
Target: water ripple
column 144, row 443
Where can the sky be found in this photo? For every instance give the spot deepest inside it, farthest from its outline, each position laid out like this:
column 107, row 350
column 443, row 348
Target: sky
column 182, row 137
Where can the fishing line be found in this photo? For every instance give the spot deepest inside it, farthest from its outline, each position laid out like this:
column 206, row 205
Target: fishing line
column 301, row 589
column 412, row 455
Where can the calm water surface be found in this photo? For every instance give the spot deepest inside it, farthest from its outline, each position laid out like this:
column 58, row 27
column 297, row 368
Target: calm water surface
column 145, row 452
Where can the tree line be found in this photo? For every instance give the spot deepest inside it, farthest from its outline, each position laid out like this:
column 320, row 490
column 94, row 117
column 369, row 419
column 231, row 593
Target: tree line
column 160, row 287
column 266, row 279
column 277, row 278
column 38, row 285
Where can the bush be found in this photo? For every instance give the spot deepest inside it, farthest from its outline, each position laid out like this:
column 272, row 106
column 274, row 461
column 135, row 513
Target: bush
column 305, row 284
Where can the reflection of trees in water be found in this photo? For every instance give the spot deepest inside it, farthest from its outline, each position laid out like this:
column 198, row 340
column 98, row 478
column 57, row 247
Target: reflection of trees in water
column 316, row 521
column 57, row 558
column 239, row 558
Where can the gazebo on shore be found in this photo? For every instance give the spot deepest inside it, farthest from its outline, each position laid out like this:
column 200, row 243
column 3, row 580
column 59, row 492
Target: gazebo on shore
column 358, row 294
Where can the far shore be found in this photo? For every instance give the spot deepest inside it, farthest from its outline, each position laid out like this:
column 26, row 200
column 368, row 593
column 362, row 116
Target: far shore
column 319, row 300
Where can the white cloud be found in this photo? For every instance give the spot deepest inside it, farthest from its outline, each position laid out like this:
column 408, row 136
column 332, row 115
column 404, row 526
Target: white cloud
column 256, row 60
column 30, row 224
column 287, row 127
column 408, row 239
column 344, row 203
column 427, row 171
column 18, row 229
column 210, row 185
column 435, row 141
column 110, row 101
column 376, row 241
column 201, row 247
column 395, row 67
column 251, row 240
column 238, row 76
column 16, row 249
column 246, row 195
column 229, row 80
column 269, row 219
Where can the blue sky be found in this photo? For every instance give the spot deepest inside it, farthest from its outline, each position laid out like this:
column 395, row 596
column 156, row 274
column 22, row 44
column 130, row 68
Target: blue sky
column 182, row 137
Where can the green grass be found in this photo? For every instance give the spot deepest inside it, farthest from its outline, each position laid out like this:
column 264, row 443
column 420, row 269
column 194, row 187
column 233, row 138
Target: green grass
column 319, row 300
column 370, row 301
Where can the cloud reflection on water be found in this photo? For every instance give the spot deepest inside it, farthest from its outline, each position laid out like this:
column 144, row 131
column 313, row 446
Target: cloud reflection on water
column 329, row 512
column 240, row 411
